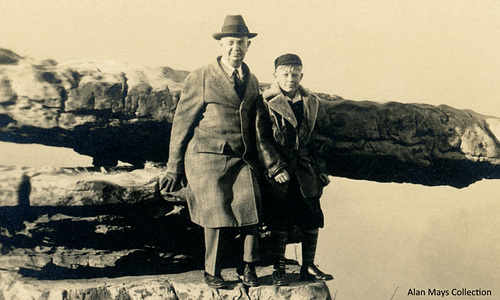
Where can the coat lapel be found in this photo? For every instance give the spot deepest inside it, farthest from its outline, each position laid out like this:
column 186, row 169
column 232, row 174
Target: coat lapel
column 250, row 94
column 278, row 102
column 221, row 83
column 311, row 106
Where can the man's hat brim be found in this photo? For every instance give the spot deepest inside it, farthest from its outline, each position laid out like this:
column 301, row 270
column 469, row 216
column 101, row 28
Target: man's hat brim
column 234, row 26
column 220, row 35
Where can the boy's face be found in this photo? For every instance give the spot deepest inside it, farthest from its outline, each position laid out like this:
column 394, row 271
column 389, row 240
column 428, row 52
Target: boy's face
column 289, row 77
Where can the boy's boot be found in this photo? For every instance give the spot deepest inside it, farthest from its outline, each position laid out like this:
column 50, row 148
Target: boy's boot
column 247, row 274
column 279, row 240
column 308, row 271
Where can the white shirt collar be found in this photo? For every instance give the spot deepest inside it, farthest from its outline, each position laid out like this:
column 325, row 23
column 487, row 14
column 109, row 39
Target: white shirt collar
column 296, row 97
column 229, row 69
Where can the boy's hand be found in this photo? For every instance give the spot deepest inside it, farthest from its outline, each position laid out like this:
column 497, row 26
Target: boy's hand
column 282, row 176
column 324, row 179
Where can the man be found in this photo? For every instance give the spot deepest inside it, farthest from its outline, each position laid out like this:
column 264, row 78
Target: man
column 213, row 144
column 292, row 196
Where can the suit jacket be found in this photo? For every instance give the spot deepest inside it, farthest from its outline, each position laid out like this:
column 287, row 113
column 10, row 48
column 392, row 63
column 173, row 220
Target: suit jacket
column 213, row 142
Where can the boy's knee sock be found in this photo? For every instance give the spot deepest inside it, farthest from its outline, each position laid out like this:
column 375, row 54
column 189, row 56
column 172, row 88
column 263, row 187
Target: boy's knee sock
column 309, row 243
column 279, row 240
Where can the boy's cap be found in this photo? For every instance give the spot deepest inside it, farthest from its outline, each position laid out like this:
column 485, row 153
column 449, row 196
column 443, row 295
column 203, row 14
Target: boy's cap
column 287, row 59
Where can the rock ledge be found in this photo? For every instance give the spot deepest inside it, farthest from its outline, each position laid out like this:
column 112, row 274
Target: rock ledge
column 187, row 285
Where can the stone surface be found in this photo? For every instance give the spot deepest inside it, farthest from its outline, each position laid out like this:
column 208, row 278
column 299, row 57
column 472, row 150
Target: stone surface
column 103, row 109
column 185, row 286
column 7, row 57
column 416, row 143
column 88, row 223
column 14, row 287
column 13, row 186
column 93, row 188
column 47, row 244
column 23, row 186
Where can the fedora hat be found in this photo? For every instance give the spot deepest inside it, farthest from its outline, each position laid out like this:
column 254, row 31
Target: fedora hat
column 233, row 26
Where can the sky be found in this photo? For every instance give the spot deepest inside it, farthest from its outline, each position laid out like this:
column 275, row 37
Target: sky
column 436, row 52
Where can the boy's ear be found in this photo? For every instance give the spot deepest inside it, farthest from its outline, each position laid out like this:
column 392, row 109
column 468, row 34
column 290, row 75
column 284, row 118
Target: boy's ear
column 274, row 74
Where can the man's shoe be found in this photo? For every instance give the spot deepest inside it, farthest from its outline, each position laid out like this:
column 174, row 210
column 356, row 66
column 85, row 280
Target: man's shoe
column 216, row 282
column 312, row 273
column 248, row 275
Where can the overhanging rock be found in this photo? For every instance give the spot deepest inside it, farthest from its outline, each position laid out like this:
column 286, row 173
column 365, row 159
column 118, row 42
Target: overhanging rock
column 103, row 109
column 114, row 111
column 416, row 143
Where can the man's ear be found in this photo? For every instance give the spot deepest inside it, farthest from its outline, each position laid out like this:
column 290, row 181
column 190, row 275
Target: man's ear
column 275, row 75
column 301, row 76
column 248, row 44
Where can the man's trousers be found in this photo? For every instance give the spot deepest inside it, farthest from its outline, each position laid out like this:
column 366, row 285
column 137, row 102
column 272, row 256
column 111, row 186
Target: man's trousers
column 215, row 242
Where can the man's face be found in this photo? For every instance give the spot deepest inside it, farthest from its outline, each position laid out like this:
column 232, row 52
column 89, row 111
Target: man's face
column 289, row 77
column 234, row 49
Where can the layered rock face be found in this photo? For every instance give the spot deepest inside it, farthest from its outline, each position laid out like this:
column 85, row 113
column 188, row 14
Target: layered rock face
column 109, row 226
column 415, row 143
column 106, row 110
column 113, row 112
column 106, row 222
column 80, row 233
column 171, row 287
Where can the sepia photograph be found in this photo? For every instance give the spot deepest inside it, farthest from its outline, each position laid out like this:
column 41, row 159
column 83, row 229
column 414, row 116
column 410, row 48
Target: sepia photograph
column 159, row 149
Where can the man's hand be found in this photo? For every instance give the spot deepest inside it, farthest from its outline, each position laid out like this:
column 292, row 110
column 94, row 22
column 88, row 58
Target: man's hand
column 172, row 182
column 282, row 176
column 324, row 179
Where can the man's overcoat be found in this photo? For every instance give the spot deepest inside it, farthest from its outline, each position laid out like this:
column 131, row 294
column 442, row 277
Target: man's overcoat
column 213, row 142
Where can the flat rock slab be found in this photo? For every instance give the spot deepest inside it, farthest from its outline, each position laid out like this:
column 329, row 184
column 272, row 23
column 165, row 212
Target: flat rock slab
column 92, row 188
column 81, row 186
column 187, row 285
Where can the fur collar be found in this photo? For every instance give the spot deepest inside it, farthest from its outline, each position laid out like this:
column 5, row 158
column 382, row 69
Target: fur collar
column 278, row 103
column 275, row 90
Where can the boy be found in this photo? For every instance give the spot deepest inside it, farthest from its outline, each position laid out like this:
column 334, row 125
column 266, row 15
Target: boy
column 293, row 193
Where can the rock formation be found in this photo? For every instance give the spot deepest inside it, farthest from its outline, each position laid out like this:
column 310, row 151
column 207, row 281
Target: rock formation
column 171, row 287
column 116, row 112
column 106, row 110
column 72, row 233
column 415, row 143
column 106, row 221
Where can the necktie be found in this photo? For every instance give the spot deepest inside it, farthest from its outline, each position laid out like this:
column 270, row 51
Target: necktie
column 236, row 77
column 238, row 83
